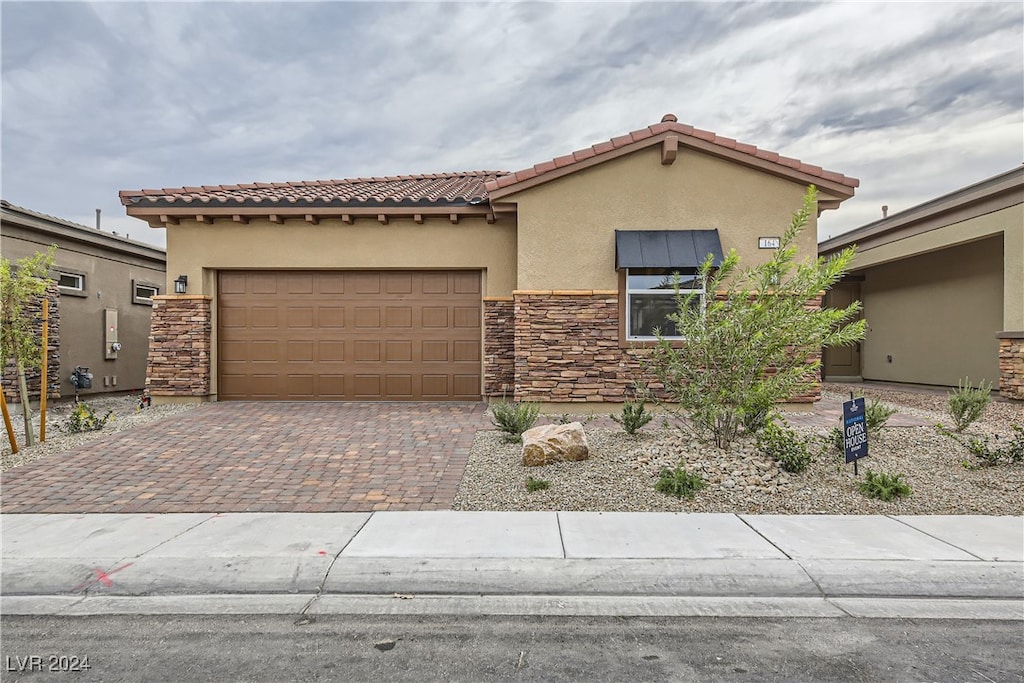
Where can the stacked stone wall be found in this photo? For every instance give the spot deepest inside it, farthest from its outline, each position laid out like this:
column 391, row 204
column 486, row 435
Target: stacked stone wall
column 179, row 346
column 34, row 310
column 499, row 347
column 568, row 350
column 1011, row 365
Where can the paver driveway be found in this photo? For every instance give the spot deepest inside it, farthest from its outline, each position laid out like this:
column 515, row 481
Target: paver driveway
column 261, row 457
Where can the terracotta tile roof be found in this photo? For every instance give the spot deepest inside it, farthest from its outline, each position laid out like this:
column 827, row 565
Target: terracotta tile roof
column 425, row 189
column 669, row 124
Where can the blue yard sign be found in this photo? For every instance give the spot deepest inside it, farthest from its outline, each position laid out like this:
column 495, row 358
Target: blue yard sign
column 855, row 430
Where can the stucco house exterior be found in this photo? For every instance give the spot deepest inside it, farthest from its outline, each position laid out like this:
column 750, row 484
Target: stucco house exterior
column 102, row 295
column 942, row 285
column 539, row 285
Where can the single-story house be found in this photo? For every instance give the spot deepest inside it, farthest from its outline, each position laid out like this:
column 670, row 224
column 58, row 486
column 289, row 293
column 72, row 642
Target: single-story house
column 534, row 285
column 100, row 301
column 942, row 285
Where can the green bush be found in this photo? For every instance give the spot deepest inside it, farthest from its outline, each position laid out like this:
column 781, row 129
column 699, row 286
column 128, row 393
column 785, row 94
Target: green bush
column 634, row 416
column 1009, row 450
column 785, row 446
column 883, row 486
column 537, row 484
column 84, row 419
column 758, row 413
column 678, row 482
column 514, row 418
column 876, row 414
column 966, row 404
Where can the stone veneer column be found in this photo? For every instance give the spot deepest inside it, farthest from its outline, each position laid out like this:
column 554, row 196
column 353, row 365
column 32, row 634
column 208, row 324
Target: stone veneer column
column 53, row 369
column 1011, row 365
column 499, row 346
column 567, row 347
column 179, row 346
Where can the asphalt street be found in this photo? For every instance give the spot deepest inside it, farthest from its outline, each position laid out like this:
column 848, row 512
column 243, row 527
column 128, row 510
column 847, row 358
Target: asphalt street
column 479, row 648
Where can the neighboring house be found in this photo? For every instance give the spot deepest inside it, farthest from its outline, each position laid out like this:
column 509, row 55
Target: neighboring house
column 943, row 290
column 102, row 296
column 536, row 285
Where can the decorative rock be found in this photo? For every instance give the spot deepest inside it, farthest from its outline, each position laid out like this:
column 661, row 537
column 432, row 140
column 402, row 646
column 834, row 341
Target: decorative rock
column 552, row 443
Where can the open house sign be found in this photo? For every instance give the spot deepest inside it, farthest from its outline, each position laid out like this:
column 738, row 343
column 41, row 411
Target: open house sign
column 855, row 431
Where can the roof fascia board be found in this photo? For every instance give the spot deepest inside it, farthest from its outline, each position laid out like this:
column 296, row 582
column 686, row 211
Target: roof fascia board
column 153, row 213
column 83, row 235
column 975, row 200
column 839, row 190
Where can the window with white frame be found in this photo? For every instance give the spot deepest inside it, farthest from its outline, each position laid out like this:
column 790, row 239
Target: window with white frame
column 143, row 292
column 651, row 298
column 74, row 282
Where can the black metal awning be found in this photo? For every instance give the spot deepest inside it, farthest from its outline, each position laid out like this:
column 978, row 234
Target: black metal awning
column 666, row 248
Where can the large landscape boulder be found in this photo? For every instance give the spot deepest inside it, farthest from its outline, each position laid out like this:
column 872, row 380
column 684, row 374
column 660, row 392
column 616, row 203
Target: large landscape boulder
column 553, row 443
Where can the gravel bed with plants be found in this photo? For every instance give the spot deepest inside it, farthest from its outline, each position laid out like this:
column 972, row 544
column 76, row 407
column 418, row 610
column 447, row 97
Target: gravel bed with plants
column 125, row 413
column 943, row 476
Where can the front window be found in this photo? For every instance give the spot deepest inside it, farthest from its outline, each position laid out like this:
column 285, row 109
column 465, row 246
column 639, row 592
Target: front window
column 651, row 298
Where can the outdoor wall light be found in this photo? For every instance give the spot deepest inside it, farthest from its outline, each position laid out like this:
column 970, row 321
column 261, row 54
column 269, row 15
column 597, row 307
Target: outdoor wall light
column 181, row 284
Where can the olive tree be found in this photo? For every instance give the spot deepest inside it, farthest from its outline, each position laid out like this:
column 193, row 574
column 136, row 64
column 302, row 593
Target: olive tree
column 22, row 283
column 756, row 340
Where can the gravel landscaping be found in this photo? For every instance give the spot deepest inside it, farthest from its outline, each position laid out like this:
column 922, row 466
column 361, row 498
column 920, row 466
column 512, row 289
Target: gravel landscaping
column 127, row 415
column 622, row 470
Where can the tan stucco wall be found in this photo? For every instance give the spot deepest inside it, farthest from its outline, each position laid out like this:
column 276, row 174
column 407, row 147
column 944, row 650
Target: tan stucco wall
column 108, row 284
column 936, row 314
column 1008, row 222
column 198, row 250
column 567, row 226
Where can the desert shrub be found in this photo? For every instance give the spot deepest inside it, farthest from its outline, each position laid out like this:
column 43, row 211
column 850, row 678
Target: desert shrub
column 786, row 447
column 537, row 484
column 757, row 413
column 678, row 482
column 634, row 416
column 992, row 450
column 514, row 418
column 966, row 404
column 83, row 419
column 758, row 343
column 883, row 486
column 876, row 414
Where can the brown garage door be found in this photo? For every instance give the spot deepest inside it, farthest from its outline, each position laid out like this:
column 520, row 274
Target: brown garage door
column 349, row 335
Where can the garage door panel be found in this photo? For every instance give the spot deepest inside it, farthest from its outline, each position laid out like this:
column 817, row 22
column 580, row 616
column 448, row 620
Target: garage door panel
column 398, row 351
column 331, row 316
column 435, row 316
column 263, row 316
column 300, row 317
column 367, row 317
column 367, row 351
column 435, row 386
column 366, row 386
column 349, row 335
column 331, row 351
column 398, row 316
column 300, row 351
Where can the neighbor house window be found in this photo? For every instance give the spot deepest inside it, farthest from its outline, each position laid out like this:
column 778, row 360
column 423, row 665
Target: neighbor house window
column 651, row 298
column 143, row 292
column 71, row 282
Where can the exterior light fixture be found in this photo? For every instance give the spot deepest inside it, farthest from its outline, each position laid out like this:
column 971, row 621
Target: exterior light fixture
column 181, row 284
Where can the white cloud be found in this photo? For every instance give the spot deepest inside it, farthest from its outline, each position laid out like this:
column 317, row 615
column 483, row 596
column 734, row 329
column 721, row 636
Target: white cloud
column 915, row 99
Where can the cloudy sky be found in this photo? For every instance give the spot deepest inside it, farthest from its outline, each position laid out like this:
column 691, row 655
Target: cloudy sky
column 915, row 99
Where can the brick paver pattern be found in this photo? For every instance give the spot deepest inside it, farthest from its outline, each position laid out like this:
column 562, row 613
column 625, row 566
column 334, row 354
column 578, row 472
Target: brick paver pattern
column 261, row 457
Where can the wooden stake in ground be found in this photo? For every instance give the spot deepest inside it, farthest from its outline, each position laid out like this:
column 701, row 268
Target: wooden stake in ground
column 7, row 423
column 42, row 379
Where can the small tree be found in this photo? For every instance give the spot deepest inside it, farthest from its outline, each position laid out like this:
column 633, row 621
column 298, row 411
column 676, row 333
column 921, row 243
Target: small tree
column 757, row 340
column 21, row 283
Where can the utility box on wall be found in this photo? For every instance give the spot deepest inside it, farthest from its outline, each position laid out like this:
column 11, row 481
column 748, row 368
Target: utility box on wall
column 111, row 345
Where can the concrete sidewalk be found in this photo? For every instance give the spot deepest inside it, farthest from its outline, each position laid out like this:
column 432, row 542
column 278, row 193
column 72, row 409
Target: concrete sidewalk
column 514, row 563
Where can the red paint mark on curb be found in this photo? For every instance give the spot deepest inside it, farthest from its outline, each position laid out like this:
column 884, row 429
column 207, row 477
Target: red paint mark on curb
column 322, row 552
column 102, row 577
